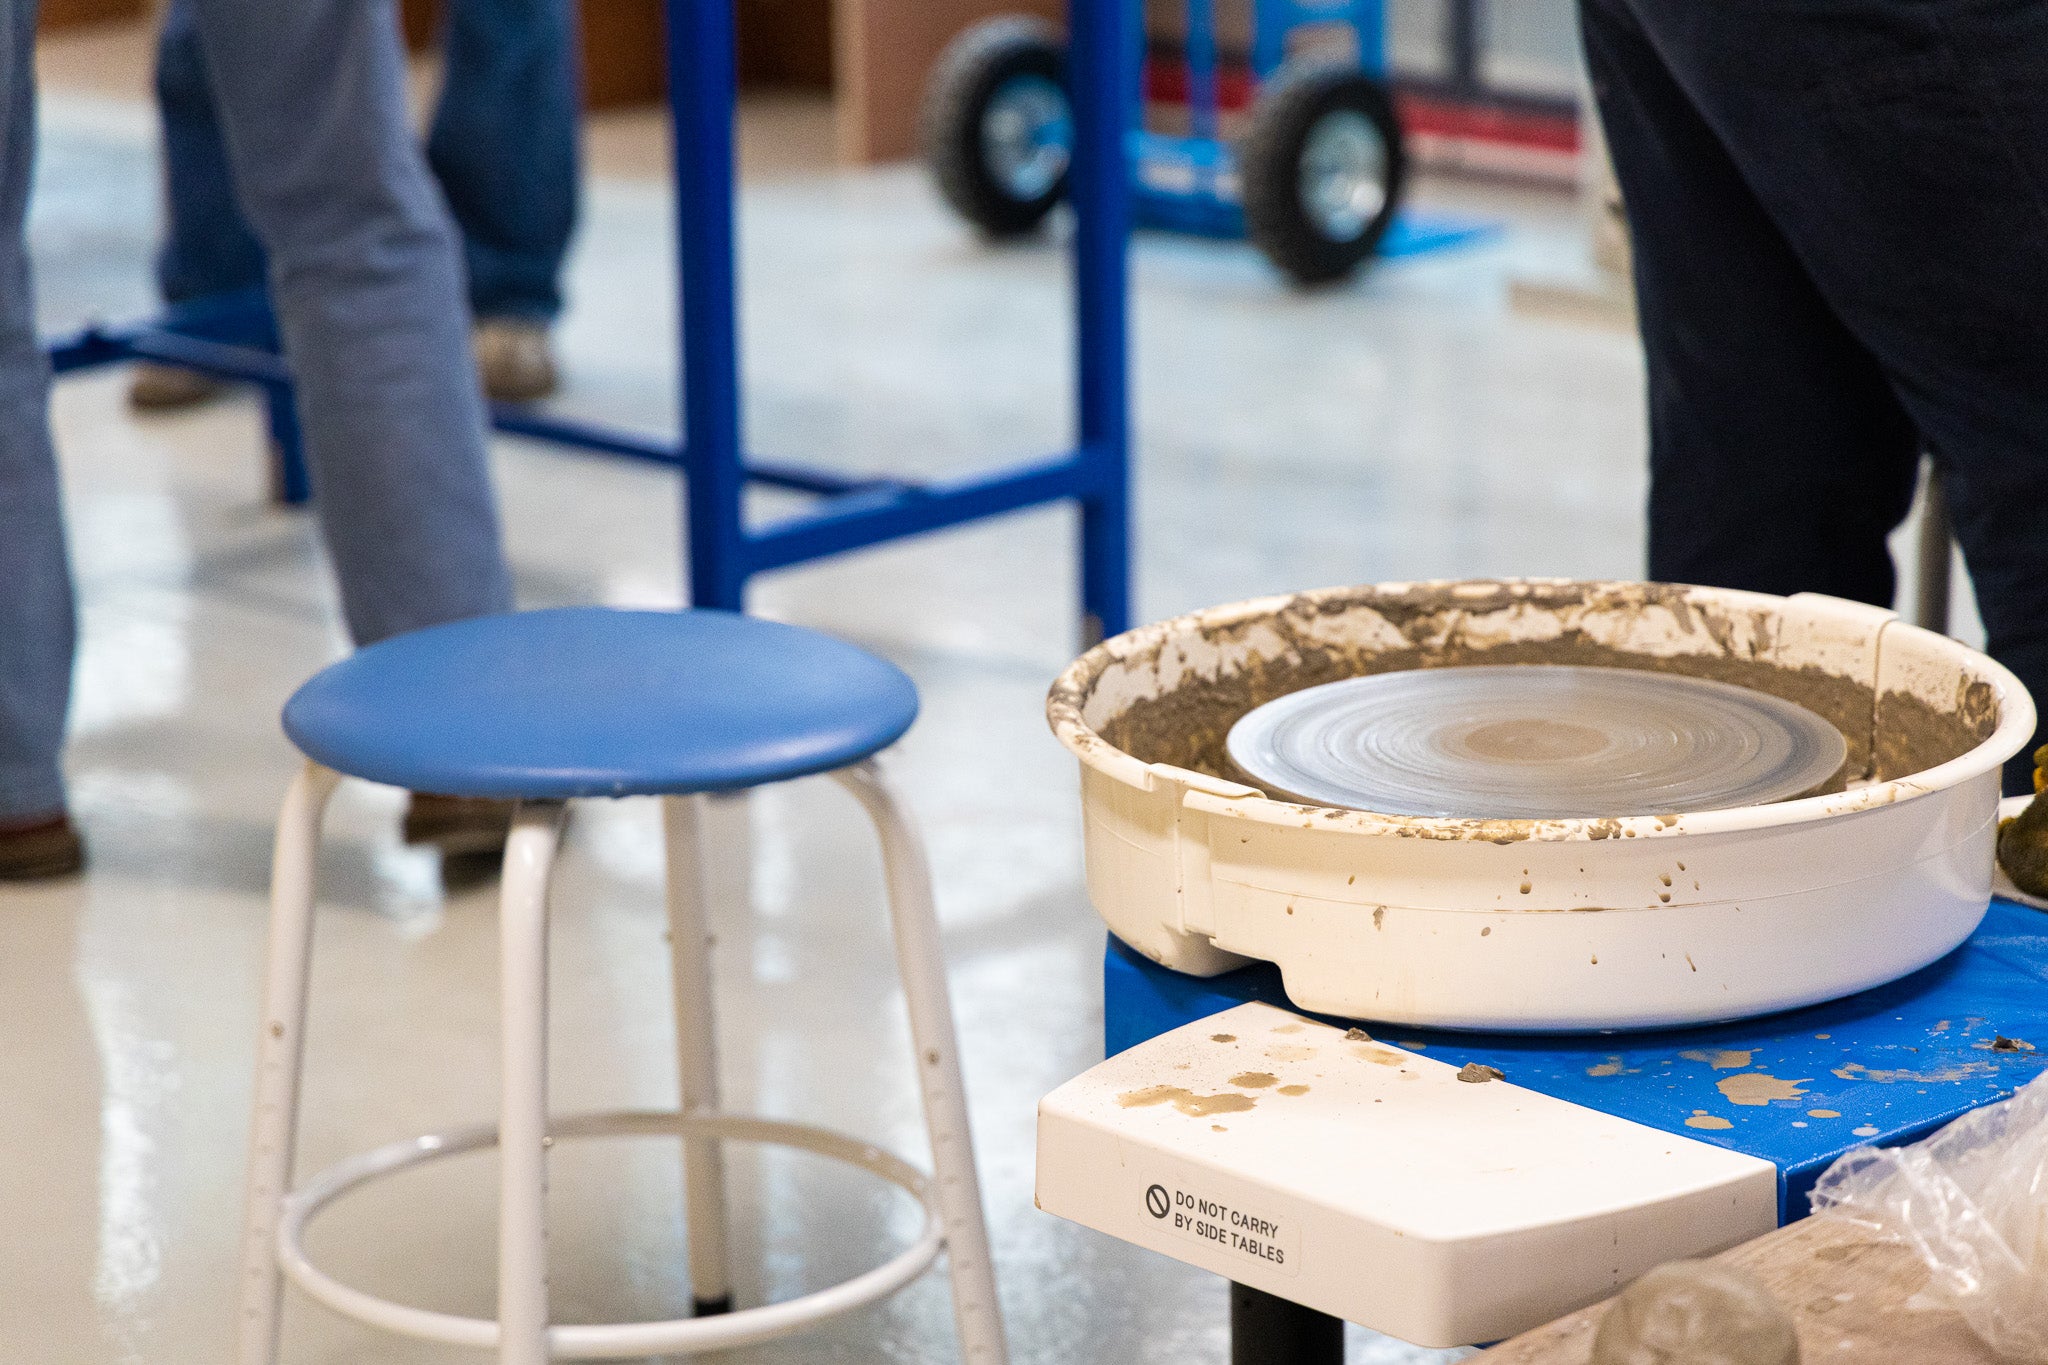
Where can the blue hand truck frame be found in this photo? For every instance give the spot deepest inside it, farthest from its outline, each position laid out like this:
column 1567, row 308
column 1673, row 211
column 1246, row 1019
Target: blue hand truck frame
column 1188, row 182
column 235, row 338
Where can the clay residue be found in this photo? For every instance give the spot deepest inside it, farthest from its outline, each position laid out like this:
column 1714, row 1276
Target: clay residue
column 1961, row 1071
column 1702, row 1119
column 1613, row 1066
column 1187, row 724
column 1722, row 1059
column 1913, row 736
column 1478, row 1073
column 1223, row 1037
column 1253, row 1080
column 1185, row 1100
column 1755, row 1088
column 1823, row 1113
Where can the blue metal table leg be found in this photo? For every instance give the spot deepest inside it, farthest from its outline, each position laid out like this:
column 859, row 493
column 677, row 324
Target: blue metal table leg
column 1103, row 64
column 700, row 99
column 293, row 485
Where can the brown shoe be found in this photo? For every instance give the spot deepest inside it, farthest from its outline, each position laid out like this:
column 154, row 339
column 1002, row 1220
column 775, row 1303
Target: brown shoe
column 40, row 849
column 514, row 359
column 460, row 826
column 164, row 388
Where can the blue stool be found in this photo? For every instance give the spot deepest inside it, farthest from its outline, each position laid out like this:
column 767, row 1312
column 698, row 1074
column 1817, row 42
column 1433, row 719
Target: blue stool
column 547, row 707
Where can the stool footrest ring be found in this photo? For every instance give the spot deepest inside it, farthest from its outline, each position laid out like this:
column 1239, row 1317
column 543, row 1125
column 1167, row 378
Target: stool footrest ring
column 620, row 1340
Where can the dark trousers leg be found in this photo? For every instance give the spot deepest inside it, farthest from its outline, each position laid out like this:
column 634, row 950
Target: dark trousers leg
column 1265, row 1330
column 1779, row 459
column 1840, row 215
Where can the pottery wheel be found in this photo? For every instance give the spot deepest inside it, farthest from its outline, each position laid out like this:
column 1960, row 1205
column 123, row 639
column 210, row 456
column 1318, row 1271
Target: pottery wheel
column 1534, row 742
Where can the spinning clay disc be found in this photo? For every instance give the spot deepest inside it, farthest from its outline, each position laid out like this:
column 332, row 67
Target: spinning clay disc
column 1535, row 742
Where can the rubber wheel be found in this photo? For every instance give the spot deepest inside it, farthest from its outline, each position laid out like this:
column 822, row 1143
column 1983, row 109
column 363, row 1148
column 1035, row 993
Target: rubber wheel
column 1328, row 125
column 1012, row 67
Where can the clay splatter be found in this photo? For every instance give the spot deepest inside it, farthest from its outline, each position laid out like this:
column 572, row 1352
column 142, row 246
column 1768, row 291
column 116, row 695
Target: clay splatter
column 2004, row 1044
column 1293, row 1090
column 1867, row 1130
column 1288, row 1028
column 1223, row 1037
column 1823, row 1113
column 1613, row 1067
column 1253, row 1080
column 1702, row 1119
column 1755, row 1088
column 1722, row 1059
column 1478, row 1073
column 1185, row 1100
column 1379, row 916
column 1856, row 1071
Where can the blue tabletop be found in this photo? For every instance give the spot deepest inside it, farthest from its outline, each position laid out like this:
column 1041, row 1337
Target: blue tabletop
column 1796, row 1089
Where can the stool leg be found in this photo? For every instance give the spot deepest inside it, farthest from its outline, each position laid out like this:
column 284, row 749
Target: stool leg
column 920, row 960
column 523, row 1100
column 279, row 1051
column 696, row 1052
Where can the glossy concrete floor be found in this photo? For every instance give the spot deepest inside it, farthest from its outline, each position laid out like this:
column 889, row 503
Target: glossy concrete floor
column 1405, row 426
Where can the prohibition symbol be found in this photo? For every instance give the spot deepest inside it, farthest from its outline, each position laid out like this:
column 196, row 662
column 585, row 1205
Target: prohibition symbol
column 1156, row 1202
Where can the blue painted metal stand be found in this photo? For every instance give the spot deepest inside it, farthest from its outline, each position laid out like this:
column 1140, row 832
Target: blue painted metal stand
column 1890, row 1065
column 234, row 338
column 1885, row 1067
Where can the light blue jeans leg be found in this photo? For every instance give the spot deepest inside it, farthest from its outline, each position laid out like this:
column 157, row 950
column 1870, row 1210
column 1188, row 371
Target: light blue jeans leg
column 366, row 277
column 503, row 145
column 36, row 621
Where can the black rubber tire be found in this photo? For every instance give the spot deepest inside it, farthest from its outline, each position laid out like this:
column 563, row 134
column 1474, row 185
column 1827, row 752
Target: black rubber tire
column 970, row 71
column 1269, row 163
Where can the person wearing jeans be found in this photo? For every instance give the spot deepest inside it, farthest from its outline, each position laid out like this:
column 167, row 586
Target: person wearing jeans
column 503, row 147
column 1839, row 219
column 365, row 272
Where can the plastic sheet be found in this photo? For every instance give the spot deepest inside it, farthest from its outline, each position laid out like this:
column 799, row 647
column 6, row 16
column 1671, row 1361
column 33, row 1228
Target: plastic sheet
column 1972, row 1201
column 1696, row 1313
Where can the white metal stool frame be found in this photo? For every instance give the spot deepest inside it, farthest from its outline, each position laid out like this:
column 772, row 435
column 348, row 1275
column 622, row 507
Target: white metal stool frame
column 276, row 1214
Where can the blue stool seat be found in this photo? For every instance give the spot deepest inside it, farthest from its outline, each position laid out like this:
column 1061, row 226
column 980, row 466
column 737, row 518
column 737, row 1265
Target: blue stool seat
column 585, row 701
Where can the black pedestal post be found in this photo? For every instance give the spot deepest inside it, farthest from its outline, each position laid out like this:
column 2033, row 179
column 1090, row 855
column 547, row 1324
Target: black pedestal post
column 1265, row 1330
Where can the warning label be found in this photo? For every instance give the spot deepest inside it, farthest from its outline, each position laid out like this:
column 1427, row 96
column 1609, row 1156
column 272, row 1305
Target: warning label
column 1236, row 1231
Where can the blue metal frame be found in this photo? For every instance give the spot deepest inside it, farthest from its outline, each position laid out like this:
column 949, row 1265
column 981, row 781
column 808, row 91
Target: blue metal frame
column 1190, row 183
column 234, row 338
column 1883, row 1067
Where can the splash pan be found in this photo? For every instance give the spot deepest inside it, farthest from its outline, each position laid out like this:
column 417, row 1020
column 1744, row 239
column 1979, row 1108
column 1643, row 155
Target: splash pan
column 1532, row 923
